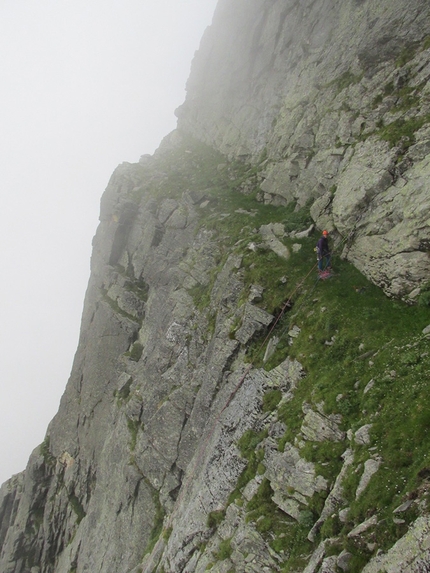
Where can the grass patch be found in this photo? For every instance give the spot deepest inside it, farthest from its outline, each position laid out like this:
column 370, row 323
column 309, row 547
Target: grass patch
column 371, row 338
column 271, row 399
column 402, row 130
column 248, row 448
column 225, row 550
column 201, row 295
column 167, row 533
column 326, row 456
column 215, row 518
column 50, row 460
column 282, row 533
column 133, row 427
column 159, row 513
column 345, row 80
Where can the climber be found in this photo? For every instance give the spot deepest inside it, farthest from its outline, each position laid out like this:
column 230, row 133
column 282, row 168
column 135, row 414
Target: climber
column 323, row 252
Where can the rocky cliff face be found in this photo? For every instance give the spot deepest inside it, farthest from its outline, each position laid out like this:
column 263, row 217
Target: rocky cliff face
column 336, row 96
column 224, row 411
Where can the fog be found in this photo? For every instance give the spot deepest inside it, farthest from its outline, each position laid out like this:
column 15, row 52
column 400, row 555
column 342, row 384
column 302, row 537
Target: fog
column 85, row 85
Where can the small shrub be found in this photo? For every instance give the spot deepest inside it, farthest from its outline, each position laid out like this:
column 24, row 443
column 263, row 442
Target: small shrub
column 215, row 518
column 133, row 427
column 402, row 131
column 201, row 296
column 405, row 56
column 157, row 527
column 45, row 451
column 249, row 441
column 306, row 519
column 345, row 80
column 225, row 550
column 331, row 527
column 271, row 399
column 264, row 524
column 261, row 469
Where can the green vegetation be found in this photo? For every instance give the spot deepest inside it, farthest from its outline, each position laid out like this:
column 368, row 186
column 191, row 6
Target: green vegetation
column 407, row 54
column 402, row 131
column 364, row 355
column 201, row 293
column 345, row 80
column 215, row 518
column 46, row 453
column 133, row 426
column 157, row 527
column 371, row 338
column 136, row 351
column 225, row 550
column 326, row 456
column 271, row 399
column 77, row 507
column 351, row 335
column 167, row 533
column 248, row 448
column 424, row 296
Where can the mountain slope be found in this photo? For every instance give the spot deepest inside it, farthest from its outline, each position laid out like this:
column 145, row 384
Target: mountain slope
column 227, row 410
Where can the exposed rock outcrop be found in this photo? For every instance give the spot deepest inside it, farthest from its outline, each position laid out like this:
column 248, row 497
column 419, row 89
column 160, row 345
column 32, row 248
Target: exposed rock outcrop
column 336, row 96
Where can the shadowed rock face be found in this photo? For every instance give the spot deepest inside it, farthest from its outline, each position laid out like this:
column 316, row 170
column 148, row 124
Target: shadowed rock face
column 141, row 466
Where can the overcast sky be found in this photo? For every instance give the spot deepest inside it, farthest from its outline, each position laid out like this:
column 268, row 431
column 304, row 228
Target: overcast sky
column 84, row 86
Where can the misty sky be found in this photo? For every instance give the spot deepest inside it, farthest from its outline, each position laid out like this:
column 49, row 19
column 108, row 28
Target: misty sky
column 84, row 86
